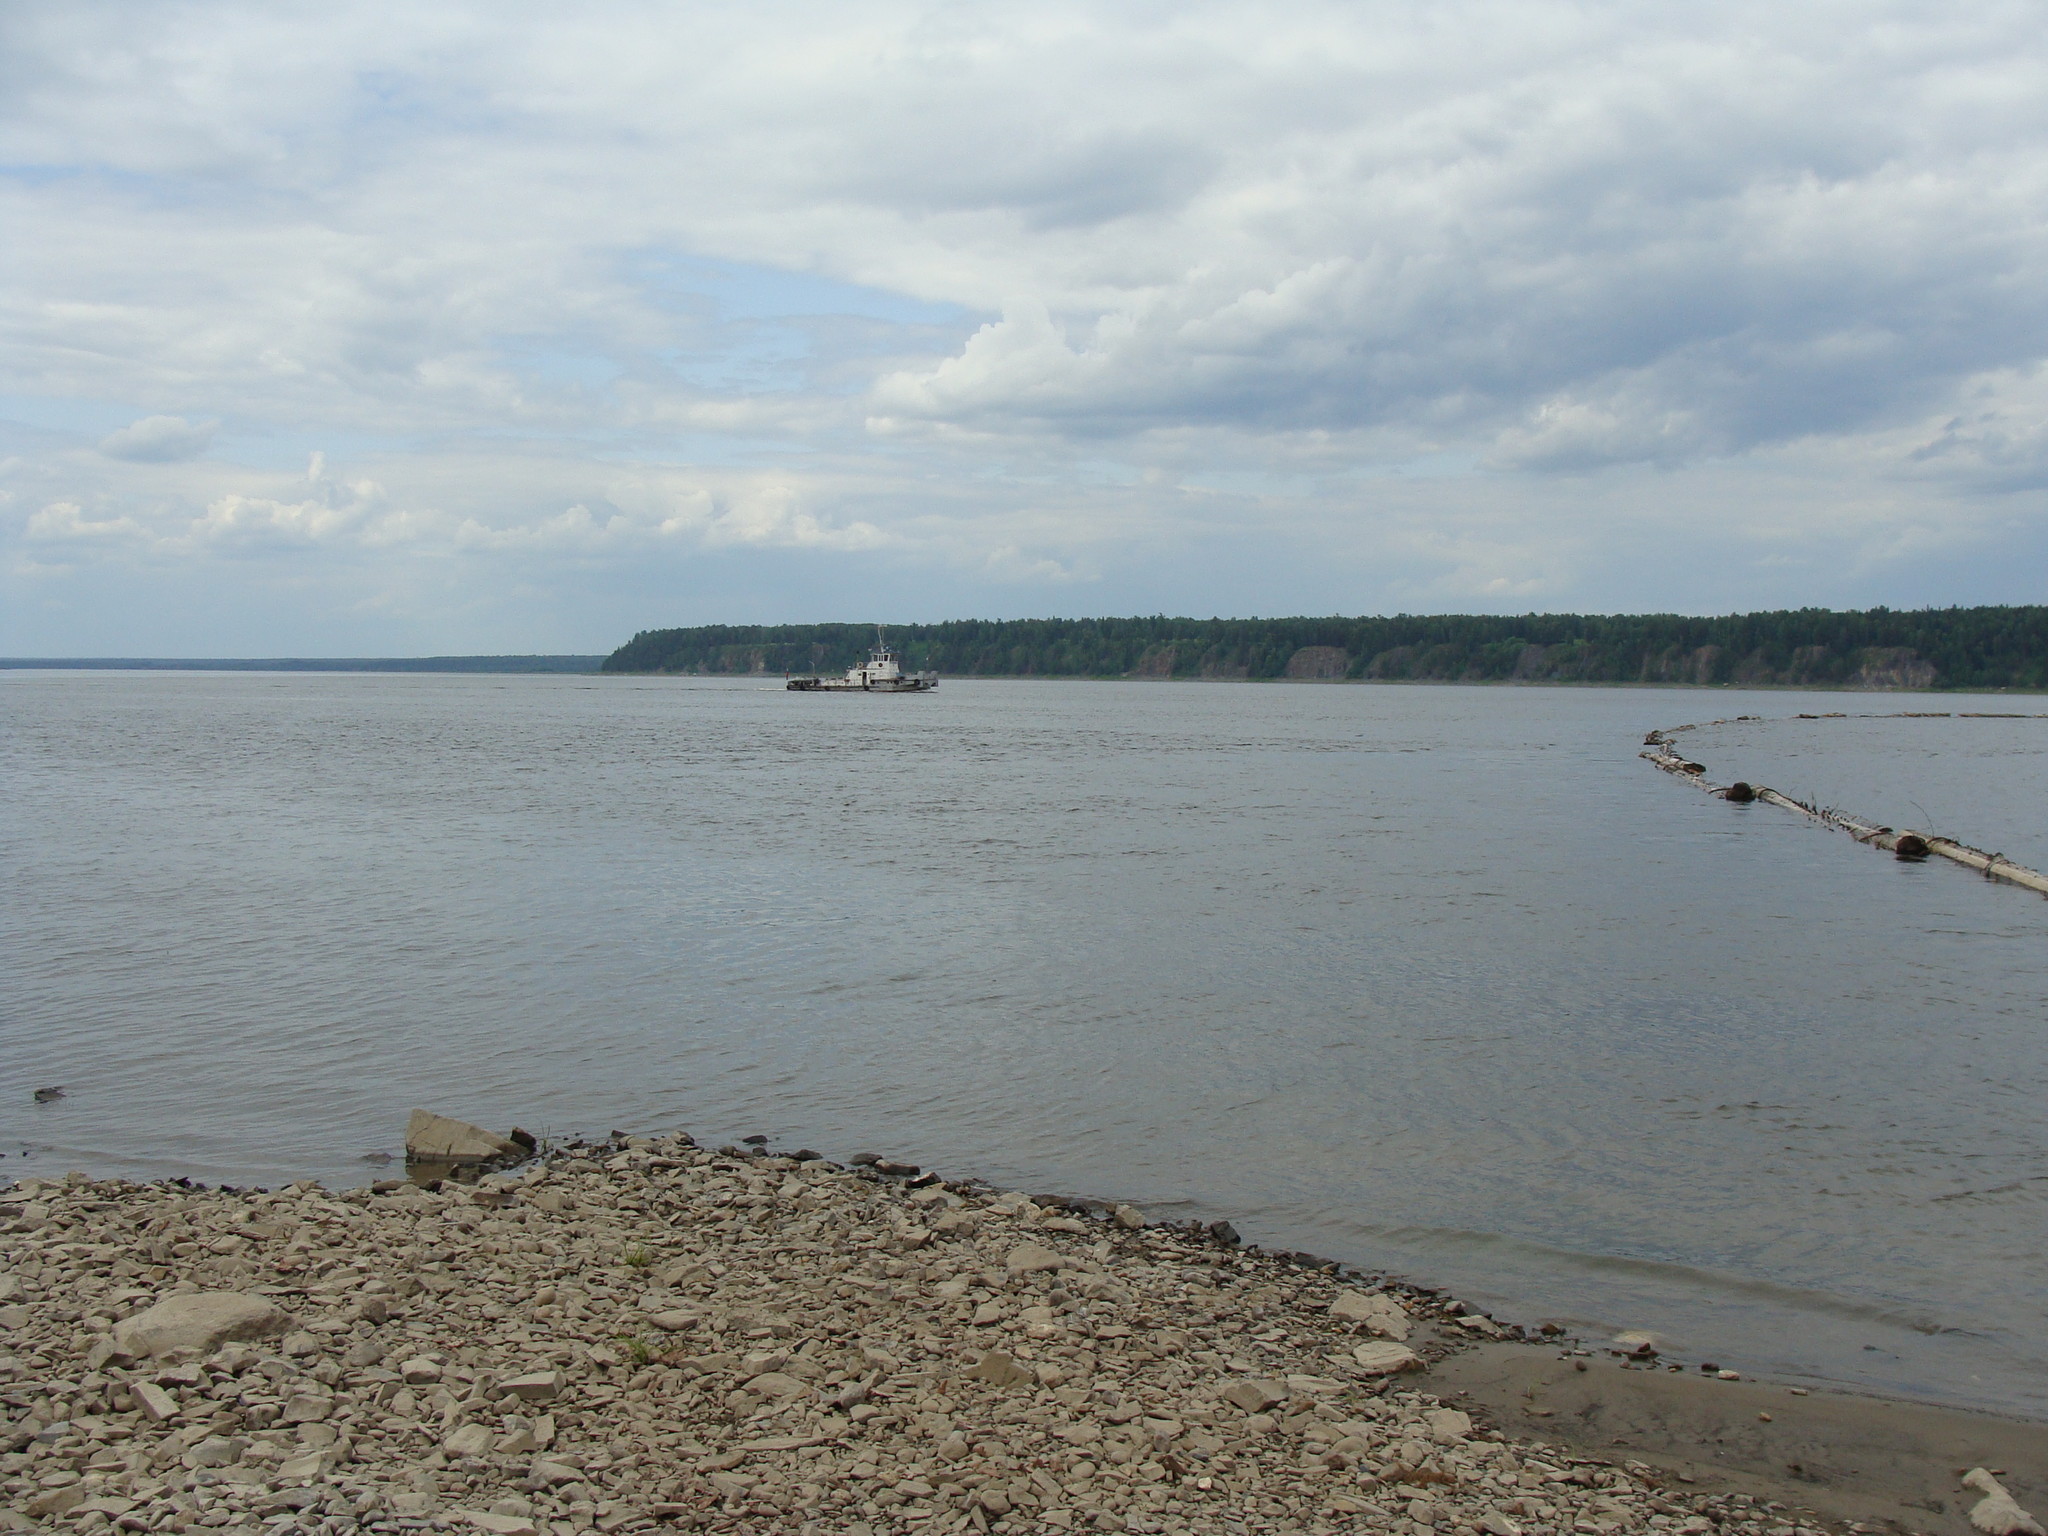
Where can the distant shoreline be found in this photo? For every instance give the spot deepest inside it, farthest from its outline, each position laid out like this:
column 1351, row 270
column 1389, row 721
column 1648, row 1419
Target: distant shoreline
column 592, row 666
column 1935, row 690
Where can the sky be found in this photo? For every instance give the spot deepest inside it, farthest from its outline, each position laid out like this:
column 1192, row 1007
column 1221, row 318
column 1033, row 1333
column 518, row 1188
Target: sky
column 373, row 329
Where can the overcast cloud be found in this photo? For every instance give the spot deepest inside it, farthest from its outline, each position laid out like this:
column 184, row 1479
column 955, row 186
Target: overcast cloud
column 380, row 329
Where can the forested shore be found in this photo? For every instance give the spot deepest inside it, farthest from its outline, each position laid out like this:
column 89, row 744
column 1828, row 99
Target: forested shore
column 1880, row 648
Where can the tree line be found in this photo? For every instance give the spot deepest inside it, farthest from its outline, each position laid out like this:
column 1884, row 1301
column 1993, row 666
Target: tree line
column 1953, row 648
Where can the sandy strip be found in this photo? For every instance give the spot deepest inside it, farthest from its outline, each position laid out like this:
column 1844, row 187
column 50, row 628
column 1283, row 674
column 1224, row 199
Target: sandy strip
column 1850, row 1457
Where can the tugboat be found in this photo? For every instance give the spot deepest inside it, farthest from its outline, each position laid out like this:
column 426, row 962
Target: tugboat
column 880, row 673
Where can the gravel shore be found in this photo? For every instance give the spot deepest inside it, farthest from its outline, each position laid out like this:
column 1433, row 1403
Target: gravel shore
column 642, row 1334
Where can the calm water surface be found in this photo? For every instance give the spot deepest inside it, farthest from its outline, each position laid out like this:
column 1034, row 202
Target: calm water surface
column 1438, row 979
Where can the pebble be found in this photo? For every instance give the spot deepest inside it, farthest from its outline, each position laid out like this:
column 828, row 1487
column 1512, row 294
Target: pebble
column 642, row 1335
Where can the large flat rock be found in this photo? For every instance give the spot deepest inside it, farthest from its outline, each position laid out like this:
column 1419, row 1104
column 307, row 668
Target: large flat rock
column 199, row 1323
column 437, row 1138
column 1379, row 1312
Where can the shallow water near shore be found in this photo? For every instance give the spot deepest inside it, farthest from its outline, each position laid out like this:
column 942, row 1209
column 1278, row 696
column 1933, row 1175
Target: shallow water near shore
column 1443, row 980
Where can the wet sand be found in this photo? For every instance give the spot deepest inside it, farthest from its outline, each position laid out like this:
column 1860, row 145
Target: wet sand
column 1842, row 1456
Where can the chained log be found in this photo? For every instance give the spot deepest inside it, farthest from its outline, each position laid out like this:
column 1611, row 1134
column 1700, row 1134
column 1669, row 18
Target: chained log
column 1912, row 846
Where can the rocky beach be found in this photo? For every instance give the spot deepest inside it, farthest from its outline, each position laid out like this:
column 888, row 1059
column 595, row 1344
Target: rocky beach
column 641, row 1334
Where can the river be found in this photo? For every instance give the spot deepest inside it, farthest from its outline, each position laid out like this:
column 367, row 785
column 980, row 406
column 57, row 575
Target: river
column 1433, row 979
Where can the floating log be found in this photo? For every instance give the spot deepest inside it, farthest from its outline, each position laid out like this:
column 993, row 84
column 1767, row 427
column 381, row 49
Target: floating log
column 1912, row 846
column 1996, row 866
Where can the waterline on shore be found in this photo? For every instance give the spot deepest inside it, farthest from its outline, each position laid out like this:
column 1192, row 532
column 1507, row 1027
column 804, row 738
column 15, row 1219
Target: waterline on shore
column 643, row 1333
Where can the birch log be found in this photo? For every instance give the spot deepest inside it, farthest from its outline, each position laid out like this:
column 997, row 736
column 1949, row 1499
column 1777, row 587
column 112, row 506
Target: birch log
column 1905, row 844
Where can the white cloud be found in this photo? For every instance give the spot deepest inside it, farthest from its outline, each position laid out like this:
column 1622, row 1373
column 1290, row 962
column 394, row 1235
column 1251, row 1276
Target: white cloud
column 1569, row 434
column 331, row 511
column 773, row 519
column 1008, row 563
column 159, row 440
column 64, row 522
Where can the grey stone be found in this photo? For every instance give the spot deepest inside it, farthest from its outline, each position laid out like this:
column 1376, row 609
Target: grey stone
column 1447, row 1426
column 998, row 1369
column 156, row 1404
column 469, row 1440
column 1255, row 1396
column 199, row 1323
column 1031, row 1259
column 314, row 1463
column 55, row 1501
column 305, row 1408
column 215, row 1451
column 437, row 1138
column 1384, row 1357
column 1376, row 1310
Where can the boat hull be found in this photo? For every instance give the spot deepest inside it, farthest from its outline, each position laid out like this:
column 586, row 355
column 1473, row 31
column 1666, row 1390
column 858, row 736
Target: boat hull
column 840, row 685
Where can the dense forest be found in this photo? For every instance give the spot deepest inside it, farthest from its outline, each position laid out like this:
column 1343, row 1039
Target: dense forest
column 1806, row 647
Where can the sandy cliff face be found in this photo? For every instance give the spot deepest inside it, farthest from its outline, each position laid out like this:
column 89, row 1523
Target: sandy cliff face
column 1318, row 663
column 1894, row 668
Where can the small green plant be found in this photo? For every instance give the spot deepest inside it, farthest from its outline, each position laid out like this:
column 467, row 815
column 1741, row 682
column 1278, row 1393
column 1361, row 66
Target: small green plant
column 638, row 1256
column 640, row 1350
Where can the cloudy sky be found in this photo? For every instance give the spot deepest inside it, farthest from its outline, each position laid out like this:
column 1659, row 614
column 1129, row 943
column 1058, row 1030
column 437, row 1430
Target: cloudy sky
column 367, row 329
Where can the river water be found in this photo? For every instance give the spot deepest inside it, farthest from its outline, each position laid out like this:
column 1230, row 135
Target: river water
column 1441, row 980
